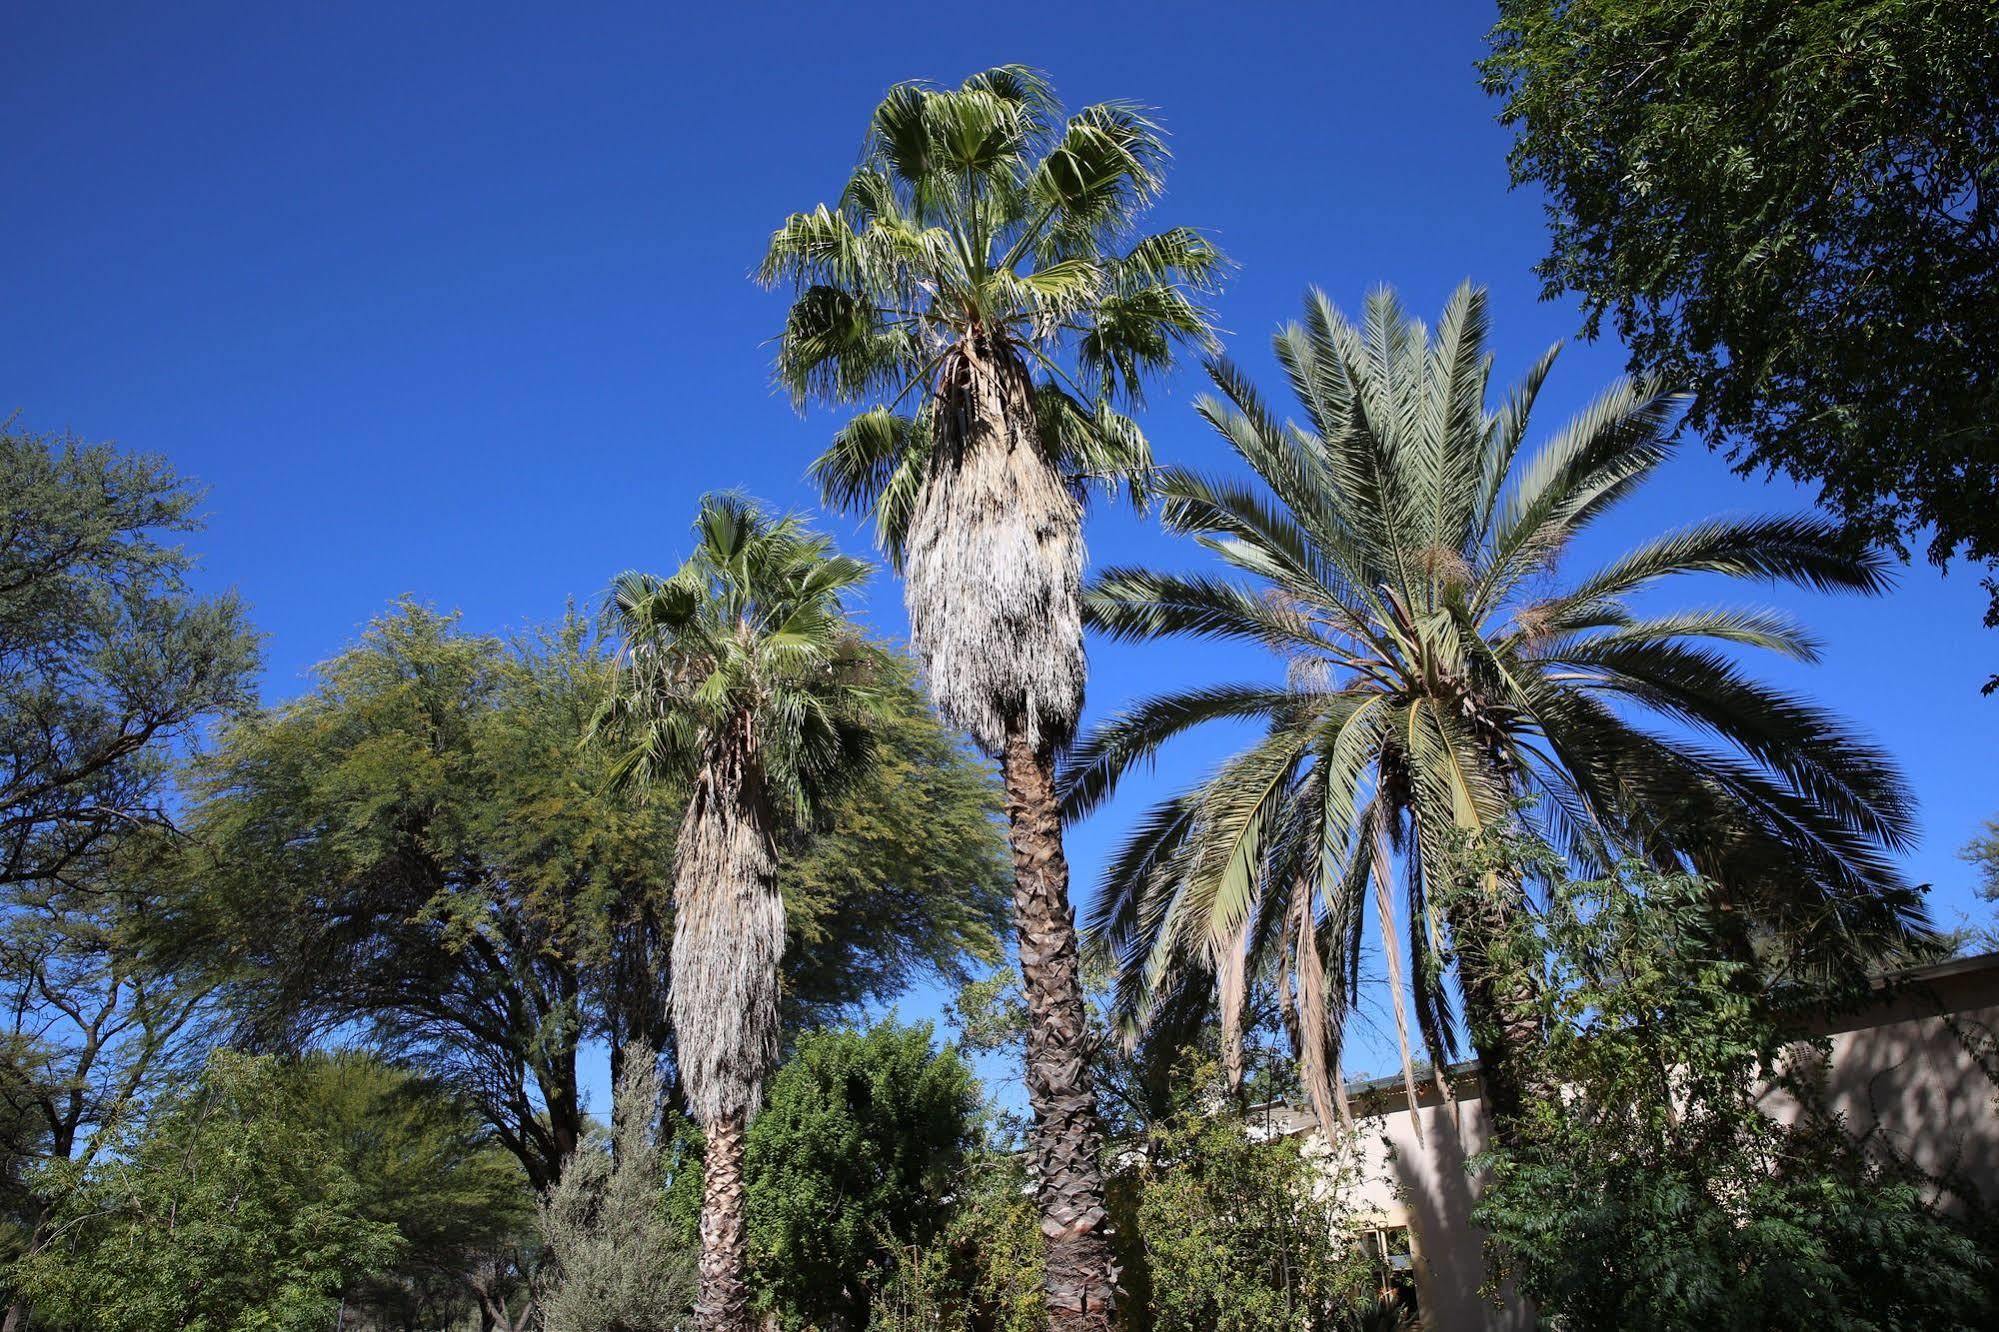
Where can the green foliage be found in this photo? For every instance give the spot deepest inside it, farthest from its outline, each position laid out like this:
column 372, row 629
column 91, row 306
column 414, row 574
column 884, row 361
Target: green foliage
column 1661, row 1189
column 1787, row 206
column 616, row 1259
column 1983, row 853
column 421, row 1161
column 422, row 844
column 744, row 651
column 983, row 221
column 1396, row 552
column 855, row 1156
column 227, row 1211
column 107, row 659
column 1241, row 1235
column 984, row 1271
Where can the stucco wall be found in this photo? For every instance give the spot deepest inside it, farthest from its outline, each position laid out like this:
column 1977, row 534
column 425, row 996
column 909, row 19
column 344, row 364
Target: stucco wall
column 1914, row 1074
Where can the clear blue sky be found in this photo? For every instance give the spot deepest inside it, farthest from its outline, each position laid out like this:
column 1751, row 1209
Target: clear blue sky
column 453, row 300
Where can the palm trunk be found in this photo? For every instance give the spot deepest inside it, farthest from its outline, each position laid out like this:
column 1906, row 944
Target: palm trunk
column 724, row 1301
column 1081, row 1279
column 1500, row 1010
column 728, row 942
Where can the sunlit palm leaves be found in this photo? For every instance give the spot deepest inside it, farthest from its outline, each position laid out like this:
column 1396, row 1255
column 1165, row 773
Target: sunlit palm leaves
column 747, row 639
column 1396, row 550
column 981, row 222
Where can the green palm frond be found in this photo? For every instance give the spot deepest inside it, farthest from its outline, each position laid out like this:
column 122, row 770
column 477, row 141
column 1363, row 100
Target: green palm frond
column 982, row 221
column 1383, row 548
column 745, row 645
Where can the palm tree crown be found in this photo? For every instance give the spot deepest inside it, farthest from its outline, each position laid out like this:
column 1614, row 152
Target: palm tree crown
column 980, row 284
column 1396, row 552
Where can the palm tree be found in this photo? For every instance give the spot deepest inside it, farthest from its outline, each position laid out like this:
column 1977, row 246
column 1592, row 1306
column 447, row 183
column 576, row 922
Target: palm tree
column 979, row 285
column 1397, row 552
column 741, row 683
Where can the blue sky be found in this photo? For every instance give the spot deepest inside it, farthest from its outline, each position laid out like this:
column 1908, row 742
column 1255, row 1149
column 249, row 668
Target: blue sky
column 453, row 300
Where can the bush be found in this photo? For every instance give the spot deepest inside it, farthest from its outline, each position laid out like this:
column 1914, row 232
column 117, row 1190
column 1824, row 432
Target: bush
column 1658, row 1191
column 225, row 1211
column 616, row 1261
column 854, row 1158
column 1240, row 1235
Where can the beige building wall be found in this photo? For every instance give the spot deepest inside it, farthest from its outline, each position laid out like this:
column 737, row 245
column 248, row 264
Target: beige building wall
column 1916, row 1075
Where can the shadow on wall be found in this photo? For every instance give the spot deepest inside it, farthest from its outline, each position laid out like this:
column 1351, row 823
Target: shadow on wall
column 1920, row 1082
column 1434, row 1181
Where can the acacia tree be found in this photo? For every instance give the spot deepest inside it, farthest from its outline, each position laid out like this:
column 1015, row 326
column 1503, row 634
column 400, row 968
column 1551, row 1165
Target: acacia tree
column 980, row 271
column 421, row 847
column 1396, row 550
column 107, row 659
column 741, row 677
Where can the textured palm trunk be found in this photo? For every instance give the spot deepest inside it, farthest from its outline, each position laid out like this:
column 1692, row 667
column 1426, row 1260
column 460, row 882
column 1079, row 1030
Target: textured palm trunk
column 728, row 939
column 1500, row 1010
column 724, row 1301
column 1082, row 1272
column 994, row 566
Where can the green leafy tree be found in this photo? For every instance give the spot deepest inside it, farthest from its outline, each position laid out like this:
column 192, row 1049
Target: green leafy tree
column 855, row 1157
column 742, row 679
column 980, row 272
column 108, row 661
column 1787, row 206
column 94, row 1021
column 1396, row 551
column 423, row 1161
column 1241, row 1235
column 423, row 848
column 225, row 1212
column 1659, row 1190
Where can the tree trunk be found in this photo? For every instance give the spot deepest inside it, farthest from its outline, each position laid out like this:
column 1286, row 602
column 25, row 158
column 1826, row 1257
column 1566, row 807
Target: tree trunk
column 1500, row 1010
column 1082, row 1274
column 724, row 1301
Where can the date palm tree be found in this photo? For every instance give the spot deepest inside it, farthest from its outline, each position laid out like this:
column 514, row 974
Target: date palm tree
column 979, row 284
column 741, row 683
column 1397, row 551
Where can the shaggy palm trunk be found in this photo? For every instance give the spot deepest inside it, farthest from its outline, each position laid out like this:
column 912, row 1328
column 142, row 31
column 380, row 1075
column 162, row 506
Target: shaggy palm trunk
column 1082, row 1272
column 994, row 565
column 728, row 938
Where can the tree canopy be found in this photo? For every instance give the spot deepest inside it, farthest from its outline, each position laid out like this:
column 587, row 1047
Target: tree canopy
column 422, row 844
column 1788, row 209
column 107, row 657
column 224, row 1210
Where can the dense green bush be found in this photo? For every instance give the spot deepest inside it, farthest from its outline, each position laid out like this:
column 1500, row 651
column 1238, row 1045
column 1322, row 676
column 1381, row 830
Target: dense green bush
column 1241, row 1235
column 1659, row 1190
column 226, row 1211
column 856, row 1154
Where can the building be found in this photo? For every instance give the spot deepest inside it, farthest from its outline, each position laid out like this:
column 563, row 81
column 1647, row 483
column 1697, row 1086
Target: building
column 1916, row 1074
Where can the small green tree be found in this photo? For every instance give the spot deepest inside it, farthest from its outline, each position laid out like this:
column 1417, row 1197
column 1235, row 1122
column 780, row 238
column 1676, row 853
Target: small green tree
column 225, row 1212
column 617, row 1262
column 423, row 1162
column 855, row 1157
column 1659, row 1190
column 1242, row 1235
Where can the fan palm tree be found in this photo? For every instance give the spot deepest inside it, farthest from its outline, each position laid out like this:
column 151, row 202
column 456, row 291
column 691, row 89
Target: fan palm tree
column 742, row 684
column 979, row 285
column 1397, row 551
